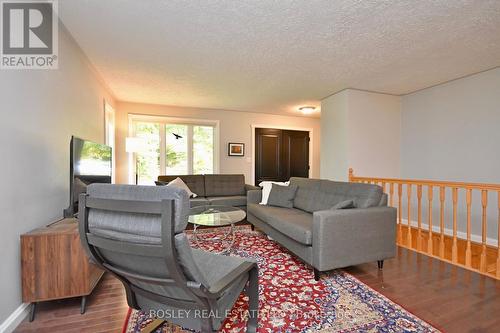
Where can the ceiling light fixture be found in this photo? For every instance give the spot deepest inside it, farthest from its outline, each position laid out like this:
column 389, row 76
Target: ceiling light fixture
column 307, row 109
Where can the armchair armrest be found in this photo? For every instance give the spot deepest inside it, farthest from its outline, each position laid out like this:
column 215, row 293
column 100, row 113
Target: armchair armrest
column 254, row 196
column 346, row 237
column 249, row 187
column 227, row 280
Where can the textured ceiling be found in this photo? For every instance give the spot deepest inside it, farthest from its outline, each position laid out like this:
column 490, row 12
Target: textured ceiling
column 273, row 56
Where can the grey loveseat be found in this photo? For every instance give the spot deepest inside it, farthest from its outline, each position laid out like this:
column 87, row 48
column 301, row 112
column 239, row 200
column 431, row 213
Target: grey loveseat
column 224, row 190
column 324, row 238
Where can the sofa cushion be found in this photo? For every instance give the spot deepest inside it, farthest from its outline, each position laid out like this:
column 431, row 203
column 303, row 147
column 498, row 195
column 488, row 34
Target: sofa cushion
column 282, row 196
column 179, row 183
column 198, row 201
column 196, row 183
column 307, row 189
column 224, row 185
column 266, row 187
column 384, row 200
column 315, row 194
column 230, row 200
column 331, row 193
column 346, row 204
column 293, row 223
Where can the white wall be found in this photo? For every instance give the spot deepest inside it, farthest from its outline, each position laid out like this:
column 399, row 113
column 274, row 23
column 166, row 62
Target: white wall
column 374, row 133
column 452, row 132
column 234, row 127
column 334, row 137
column 360, row 130
column 40, row 110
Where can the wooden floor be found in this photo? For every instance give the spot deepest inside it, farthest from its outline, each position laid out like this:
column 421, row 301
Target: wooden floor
column 449, row 297
column 106, row 311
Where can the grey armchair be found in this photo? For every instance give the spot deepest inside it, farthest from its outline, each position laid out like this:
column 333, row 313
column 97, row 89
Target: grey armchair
column 137, row 234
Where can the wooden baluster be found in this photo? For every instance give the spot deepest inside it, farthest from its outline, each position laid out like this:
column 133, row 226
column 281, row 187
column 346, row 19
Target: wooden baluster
column 442, row 193
column 400, row 215
column 468, row 250
column 484, row 201
column 351, row 174
column 383, row 186
column 408, row 236
column 429, row 241
column 391, row 195
column 498, row 245
column 391, row 204
column 454, row 248
column 419, row 232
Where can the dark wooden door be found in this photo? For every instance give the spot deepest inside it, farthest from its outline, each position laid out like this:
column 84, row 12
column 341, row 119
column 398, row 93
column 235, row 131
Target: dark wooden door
column 295, row 154
column 280, row 154
column 268, row 147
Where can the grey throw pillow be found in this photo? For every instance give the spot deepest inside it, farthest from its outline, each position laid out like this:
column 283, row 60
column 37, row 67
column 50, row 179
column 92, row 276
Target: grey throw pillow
column 282, row 196
column 346, row 204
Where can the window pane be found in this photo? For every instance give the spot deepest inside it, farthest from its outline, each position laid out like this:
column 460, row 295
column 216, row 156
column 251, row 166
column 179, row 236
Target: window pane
column 110, row 135
column 148, row 162
column 203, row 149
column 176, row 151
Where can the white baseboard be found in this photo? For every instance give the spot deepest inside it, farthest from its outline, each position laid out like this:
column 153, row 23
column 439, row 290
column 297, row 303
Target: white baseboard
column 15, row 318
column 449, row 232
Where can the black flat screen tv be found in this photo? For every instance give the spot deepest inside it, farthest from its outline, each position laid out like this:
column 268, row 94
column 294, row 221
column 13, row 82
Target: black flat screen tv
column 90, row 162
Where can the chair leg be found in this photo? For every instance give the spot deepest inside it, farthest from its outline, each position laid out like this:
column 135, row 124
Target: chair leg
column 316, row 274
column 380, row 264
column 152, row 326
column 253, row 301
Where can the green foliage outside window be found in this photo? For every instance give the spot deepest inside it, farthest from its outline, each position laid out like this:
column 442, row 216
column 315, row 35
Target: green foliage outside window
column 148, row 162
column 200, row 138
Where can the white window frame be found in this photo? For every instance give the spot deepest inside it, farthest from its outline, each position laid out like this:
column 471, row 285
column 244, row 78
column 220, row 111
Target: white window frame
column 110, row 135
column 164, row 120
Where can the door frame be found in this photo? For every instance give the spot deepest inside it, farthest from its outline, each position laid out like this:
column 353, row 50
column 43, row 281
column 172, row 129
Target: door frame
column 290, row 128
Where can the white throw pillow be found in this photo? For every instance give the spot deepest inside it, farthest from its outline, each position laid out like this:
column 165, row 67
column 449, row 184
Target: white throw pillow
column 177, row 182
column 266, row 189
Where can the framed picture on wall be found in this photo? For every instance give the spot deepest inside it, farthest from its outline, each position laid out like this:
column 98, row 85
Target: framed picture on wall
column 236, row 149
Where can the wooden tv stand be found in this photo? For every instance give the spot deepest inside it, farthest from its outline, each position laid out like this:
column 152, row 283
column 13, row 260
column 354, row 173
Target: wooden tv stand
column 55, row 266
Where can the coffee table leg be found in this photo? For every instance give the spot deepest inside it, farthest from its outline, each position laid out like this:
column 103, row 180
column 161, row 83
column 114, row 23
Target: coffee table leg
column 229, row 247
column 231, row 233
column 195, row 235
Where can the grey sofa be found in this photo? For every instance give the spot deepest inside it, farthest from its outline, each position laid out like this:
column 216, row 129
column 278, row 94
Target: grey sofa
column 324, row 238
column 224, row 190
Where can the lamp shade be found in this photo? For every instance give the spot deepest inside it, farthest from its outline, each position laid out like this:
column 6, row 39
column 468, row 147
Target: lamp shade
column 134, row 145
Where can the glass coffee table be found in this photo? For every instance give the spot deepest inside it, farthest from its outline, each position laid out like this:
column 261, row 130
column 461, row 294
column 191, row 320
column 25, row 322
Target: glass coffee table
column 216, row 216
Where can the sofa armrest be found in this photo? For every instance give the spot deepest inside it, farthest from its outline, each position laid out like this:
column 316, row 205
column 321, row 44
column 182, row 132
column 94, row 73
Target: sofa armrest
column 254, row 196
column 346, row 237
column 249, row 187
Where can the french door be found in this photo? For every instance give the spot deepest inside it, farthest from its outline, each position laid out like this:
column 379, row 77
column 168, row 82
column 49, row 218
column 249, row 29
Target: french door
column 174, row 148
column 281, row 154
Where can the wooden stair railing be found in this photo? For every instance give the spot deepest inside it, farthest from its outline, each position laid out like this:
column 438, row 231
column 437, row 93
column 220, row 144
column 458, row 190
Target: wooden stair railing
column 476, row 256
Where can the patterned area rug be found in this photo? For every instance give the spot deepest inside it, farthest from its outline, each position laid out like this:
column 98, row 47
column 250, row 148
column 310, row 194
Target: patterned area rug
column 290, row 300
